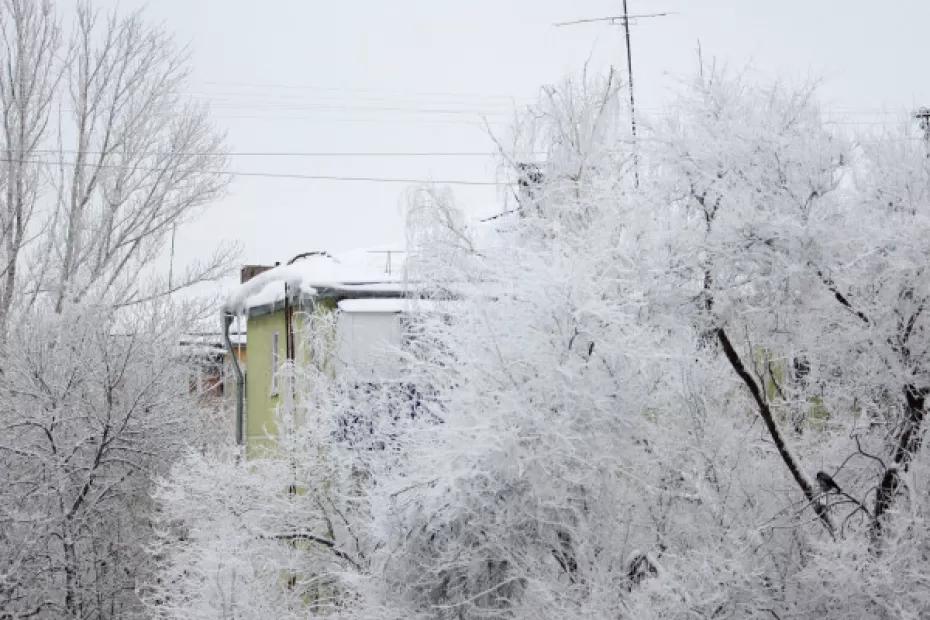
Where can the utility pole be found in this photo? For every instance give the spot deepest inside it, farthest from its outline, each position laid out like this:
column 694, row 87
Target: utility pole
column 625, row 22
column 629, row 73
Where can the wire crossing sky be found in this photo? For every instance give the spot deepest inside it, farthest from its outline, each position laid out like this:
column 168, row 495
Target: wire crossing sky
column 410, row 90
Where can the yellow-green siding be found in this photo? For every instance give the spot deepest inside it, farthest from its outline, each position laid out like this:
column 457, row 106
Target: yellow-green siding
column 260, row 402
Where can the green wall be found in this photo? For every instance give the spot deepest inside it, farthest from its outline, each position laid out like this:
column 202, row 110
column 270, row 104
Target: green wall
column 260, row 403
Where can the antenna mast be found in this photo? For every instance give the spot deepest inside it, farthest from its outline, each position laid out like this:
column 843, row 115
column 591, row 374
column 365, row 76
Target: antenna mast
column 625, row 21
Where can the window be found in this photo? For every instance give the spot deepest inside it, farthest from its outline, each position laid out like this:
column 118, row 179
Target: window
column 275, row 362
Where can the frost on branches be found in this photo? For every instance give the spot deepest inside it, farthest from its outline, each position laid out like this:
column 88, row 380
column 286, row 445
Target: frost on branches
column 279, row 535
column 101, row 159
column 702, row 395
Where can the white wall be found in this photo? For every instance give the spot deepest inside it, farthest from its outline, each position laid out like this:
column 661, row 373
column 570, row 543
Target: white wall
column 366, row 344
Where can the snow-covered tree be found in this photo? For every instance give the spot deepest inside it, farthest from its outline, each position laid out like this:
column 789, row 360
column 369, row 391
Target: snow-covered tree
column 101, row 157
column 282, row 534
column 89, row 413
column 696, row 395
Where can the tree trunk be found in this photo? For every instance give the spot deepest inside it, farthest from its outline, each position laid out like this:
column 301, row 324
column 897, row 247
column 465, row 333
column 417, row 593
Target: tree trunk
column 765, row 413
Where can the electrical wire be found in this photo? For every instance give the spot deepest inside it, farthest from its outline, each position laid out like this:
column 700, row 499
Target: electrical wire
column 266, row 87
column 276, row 175
column 399, row 154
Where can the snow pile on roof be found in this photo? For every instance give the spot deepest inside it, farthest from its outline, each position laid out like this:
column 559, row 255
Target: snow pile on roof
column 379, row 269
column 214, row 339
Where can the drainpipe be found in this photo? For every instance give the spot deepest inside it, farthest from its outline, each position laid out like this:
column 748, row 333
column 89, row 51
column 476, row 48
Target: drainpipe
column 288, row 334
column 240, row 380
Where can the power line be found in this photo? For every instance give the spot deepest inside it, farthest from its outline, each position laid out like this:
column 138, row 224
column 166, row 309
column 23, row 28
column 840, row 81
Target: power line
column 330, row 97
column 326, row 177
column 365, row 154
column 357, row 90
column 413, row 106
column 464, row 119
column 275, row 175
column 354, row 108
column 398, row 154
column 475, row 122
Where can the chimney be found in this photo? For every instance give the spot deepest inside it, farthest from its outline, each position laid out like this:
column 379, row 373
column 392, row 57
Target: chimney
column 250, row 271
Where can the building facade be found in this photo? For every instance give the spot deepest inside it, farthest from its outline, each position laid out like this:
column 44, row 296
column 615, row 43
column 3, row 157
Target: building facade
column 358, row 295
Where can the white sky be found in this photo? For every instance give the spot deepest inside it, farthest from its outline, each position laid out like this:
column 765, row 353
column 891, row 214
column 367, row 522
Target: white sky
column 415, row 76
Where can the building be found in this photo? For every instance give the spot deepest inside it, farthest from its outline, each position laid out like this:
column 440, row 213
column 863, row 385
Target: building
column 212, row 361
column 361, row 292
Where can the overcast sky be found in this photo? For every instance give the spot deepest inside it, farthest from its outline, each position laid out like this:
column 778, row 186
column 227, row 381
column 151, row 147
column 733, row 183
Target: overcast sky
column 372, row 76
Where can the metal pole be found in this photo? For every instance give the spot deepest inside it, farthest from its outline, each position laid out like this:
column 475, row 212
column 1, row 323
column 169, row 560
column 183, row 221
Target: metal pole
column 629, row 72
column 240, row 380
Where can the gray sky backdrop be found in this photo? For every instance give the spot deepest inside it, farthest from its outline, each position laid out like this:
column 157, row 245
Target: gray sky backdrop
column 372, row 76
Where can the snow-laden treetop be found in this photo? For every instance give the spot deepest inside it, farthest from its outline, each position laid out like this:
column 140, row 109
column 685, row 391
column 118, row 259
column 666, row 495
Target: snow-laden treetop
column 377, row 269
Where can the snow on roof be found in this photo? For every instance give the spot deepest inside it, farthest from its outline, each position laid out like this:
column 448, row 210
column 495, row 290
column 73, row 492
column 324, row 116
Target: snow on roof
column 382, row 268
column 387, row 305
column 236, row 337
